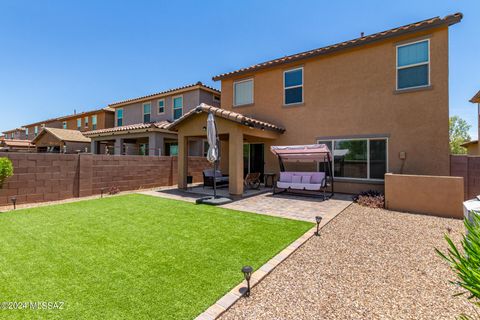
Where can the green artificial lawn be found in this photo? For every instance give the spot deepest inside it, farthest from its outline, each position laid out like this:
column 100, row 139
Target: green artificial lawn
column 131, row 257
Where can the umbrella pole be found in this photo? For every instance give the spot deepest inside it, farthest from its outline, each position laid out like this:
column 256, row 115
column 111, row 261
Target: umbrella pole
column 215, row 179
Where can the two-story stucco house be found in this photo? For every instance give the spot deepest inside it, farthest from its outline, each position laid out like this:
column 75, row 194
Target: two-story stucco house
column 379, row 102
column 141, row 123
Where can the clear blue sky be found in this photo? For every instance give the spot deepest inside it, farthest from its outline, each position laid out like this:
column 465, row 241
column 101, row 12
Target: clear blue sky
column 56, row 56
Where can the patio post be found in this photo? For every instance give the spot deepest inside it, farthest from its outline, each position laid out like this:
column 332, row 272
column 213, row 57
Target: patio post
column 182, row 161
column 235, row 162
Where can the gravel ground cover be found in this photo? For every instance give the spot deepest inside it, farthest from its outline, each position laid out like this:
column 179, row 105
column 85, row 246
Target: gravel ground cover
column 366, row 264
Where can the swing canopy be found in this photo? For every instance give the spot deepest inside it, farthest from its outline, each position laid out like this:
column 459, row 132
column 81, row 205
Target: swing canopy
column 309, row 152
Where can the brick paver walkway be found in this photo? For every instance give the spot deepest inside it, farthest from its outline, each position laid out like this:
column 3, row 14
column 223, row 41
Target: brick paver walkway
column 286, row 206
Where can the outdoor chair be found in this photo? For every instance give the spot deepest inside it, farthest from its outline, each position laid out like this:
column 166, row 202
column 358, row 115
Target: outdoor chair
column 209, row 176
column 252, row 180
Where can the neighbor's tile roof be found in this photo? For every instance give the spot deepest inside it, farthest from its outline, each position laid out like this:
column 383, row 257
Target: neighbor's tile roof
column 476, row 98
column 13, row 130
column 16, row 143
column 466, row 144
column 139, row 126
column 198, row 85
column 228, row 115
column 75, row 115
column 63, row 135
column 413, row 27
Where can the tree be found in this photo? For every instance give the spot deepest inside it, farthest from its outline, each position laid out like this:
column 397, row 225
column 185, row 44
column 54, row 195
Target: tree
column 6, row 169
column 458, row 134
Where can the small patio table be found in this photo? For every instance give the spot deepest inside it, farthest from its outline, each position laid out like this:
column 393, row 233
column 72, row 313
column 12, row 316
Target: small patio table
column 269, row 179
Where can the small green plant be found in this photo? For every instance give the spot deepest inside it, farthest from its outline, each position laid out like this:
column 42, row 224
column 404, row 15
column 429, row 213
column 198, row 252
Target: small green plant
column 466, row 263
column 6, row 169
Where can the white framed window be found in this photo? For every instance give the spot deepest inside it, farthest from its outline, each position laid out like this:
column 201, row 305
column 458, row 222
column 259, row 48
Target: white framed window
column 205, row 147
column 161, row 106
column 147, row 110
column 358, row 158
column 177, row 107
column 35, row 130
column 119, row 117
column 26, row 132
column 12, row 135
column 243, row 92
column 86, row 122
column 94, row 122
column 79, row 123
column 64, row 124
column 413, row 65
column 293, row 86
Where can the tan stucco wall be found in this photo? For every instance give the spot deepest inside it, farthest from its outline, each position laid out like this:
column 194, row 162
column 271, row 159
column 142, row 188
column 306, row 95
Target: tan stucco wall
column 473, row 149
column 104, row 120
column 352, row 94
column 433, row 195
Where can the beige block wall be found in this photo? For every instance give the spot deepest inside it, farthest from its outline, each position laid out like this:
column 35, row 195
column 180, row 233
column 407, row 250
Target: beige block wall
column 433, row 195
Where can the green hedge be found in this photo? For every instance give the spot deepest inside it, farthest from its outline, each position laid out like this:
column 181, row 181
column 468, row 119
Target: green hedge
column 6, row 169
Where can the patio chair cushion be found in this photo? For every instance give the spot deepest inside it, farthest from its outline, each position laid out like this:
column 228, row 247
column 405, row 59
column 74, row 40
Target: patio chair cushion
column 209, row 173
column 317, row 177
column 286, row 176
column 306, row 179
column 299, row 186
column 296, row 179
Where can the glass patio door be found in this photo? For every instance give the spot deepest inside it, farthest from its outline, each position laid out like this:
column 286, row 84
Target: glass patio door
column 253, row 158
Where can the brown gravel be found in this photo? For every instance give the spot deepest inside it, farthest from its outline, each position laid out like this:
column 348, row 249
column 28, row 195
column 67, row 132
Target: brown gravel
column 367, row 264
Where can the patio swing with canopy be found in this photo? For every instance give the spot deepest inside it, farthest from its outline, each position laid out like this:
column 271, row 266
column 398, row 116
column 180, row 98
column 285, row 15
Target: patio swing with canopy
column 305, row 183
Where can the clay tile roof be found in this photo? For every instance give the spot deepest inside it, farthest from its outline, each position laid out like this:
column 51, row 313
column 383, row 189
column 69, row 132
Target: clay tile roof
column 63, row 135
column 228, row 115
column 476, row 98
column 197, row 85
column 162, row 125
column 409, row 28
column 16, row 143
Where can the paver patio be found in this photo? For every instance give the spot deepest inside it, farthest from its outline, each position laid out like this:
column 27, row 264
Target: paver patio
column 286, row 206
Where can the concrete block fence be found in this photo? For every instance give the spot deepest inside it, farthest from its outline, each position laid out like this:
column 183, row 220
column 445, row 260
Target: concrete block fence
column 50, row 177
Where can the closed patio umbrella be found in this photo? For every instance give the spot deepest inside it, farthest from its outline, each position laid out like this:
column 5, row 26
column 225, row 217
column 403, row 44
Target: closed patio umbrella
column 212, row 154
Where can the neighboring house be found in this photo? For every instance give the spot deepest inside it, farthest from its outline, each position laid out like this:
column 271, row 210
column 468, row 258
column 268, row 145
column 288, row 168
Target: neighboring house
column 17, row 133
column 472, row 146
column 141, row 123
column 90, row 120
column 379, row 102
column 85, row 121
column 54, row 140
column 13, row 145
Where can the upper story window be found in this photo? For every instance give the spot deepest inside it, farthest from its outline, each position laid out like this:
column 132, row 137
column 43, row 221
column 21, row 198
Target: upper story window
column 64, row 124
column 216, row 98
column 79, row 123
column 161, row 106
column 119, row 117
column 293, row 86
column 243, row 92
column 86, row 122
column 147, row 109
column 94, row 122
column 35, row 130
column 12, row 135
column 413, row 65
column 26, row 132
column 177, row 107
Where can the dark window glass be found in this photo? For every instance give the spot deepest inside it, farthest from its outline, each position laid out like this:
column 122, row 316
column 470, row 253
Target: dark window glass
column 177, row 113
column 293, row 95
column 293, row 78
column 350, row 159
column 146, row 118
column 119, row 122
column 378, row 159
column 413, row 77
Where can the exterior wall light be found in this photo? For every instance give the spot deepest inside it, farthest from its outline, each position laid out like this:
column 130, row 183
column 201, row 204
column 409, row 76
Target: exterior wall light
column 14, row 201
column 318, row 219
column 247, row 273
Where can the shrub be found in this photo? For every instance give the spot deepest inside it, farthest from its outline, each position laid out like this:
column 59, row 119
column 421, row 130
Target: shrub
column 6, row 169
column 370, row 198
column 466, row 263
